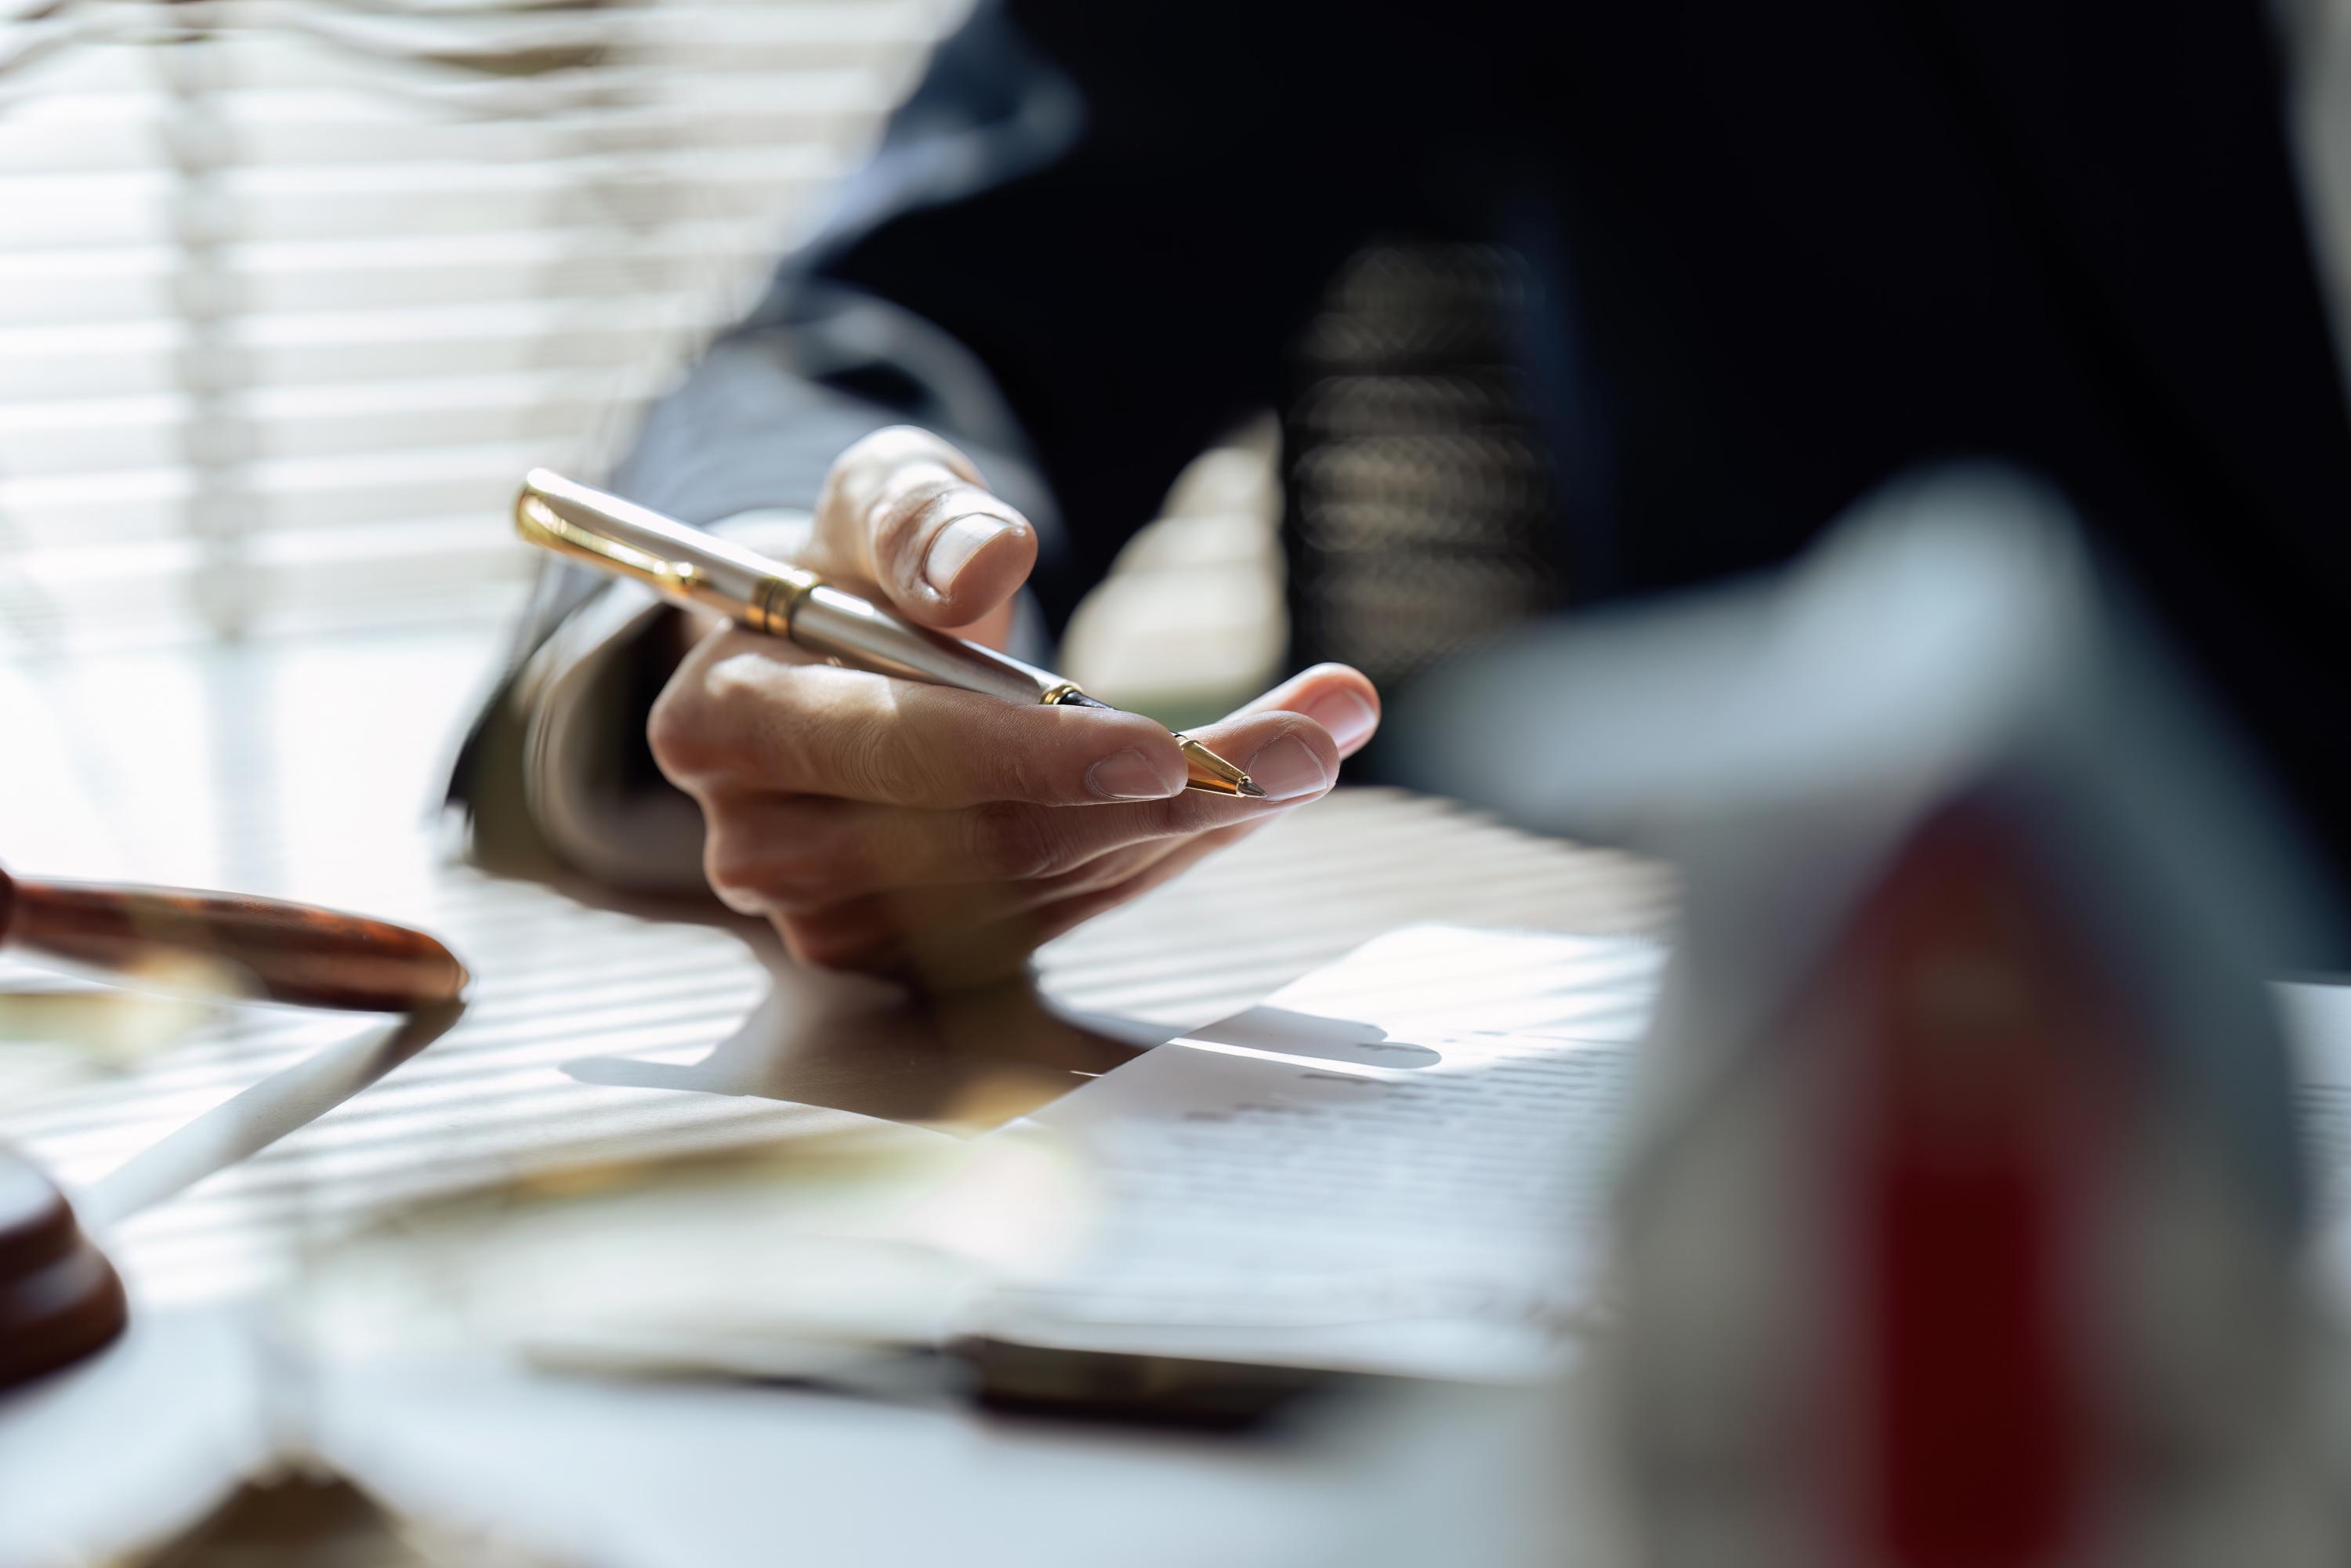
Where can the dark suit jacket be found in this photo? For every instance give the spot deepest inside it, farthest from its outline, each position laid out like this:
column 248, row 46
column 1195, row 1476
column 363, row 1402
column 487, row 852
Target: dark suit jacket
column 1779, row 253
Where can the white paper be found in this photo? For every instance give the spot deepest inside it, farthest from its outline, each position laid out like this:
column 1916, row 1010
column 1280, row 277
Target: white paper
column 1397, row 1163
column 1393, row 1166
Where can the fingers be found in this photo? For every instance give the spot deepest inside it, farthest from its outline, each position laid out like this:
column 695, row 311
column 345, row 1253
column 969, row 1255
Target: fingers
column 873, row 818
column 1340, row 699
column 1042, row 925
column 866, row 922
column 797, row 852
column 953, row 936
column 1290, row 740
column 747, row 714
column 942, row 957
column 821, row 784
column 908, row 513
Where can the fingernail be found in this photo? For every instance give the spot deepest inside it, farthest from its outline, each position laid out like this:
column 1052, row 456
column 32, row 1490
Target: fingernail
column 1287, row 768
column 1347, row 716
column 955, row 544
column 1130, row 776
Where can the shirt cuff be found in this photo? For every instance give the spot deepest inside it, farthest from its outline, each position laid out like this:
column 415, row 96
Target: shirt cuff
column 568, row 742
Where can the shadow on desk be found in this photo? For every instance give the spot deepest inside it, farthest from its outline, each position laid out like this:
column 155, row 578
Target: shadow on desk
column 961, row 1063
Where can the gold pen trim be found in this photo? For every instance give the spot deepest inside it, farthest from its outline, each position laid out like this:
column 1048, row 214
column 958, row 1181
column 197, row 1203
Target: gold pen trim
column 1204, row 771
column 1212, row 774
column 538, row 523
column 779, row 600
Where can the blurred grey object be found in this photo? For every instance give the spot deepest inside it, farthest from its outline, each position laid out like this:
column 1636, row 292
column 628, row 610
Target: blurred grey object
column 1421, row 513
column 1966, row 1217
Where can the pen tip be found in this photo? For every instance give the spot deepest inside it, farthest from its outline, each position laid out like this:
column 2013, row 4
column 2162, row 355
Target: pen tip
column 1248, row 788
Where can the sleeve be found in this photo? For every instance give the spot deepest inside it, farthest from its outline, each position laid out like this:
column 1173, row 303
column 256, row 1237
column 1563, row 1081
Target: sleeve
column 1079, row 253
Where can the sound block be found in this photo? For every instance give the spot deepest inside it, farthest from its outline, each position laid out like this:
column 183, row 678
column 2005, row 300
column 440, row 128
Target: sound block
column 59, row 1298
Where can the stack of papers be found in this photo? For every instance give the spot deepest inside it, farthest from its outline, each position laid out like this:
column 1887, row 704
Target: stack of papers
column 1394, row 1166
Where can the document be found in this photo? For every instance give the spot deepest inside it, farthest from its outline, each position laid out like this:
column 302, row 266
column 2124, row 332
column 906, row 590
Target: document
column 1396, row 1165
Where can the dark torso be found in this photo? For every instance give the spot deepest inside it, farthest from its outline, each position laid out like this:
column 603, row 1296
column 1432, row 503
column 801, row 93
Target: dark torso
column 1773, row 256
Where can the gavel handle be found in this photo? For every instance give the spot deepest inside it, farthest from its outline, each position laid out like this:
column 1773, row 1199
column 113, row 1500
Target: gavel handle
column 259, row 947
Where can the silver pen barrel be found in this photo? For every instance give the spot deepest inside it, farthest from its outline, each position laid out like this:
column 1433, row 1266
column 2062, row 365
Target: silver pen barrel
column 688, row 566
column 827, row 621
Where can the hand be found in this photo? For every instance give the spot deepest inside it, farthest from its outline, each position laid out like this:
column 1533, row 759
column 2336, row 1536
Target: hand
column 935, row 834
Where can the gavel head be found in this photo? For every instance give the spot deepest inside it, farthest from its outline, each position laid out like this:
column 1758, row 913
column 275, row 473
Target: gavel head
column 214, row 945
column 60, row 1300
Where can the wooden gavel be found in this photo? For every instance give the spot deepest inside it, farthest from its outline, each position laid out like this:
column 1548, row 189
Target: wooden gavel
column 59, row 1298
column 224, row 944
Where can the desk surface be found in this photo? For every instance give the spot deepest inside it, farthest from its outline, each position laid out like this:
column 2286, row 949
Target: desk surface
column 303, row 768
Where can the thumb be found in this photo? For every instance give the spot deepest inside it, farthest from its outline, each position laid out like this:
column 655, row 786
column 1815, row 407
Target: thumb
column 908, row 514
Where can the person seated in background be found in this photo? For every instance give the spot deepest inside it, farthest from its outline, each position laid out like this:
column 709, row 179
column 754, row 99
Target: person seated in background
column 1773, row 257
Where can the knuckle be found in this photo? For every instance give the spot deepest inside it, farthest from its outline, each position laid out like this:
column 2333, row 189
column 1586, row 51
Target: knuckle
column 806, row 940
column 900, row 513
column 788, row 891
column 1093, row 876
column 910, row 445
column 1024, row 774
column 751, row 706
column 823, row 863
column 874, row 764
column 882, row 480
column 1012, row 842
column 893, row 444
column 675, row 730
column 736, row 685
column 786, row 859
column 731, row 869
column 1177, row 817
column 704, row 724
column 869, row 455
column 820, row 943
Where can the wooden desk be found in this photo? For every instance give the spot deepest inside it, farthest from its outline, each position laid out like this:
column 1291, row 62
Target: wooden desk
column 305, row 769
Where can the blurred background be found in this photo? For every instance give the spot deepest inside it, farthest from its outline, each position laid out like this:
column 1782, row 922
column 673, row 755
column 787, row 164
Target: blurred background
column 290, row 292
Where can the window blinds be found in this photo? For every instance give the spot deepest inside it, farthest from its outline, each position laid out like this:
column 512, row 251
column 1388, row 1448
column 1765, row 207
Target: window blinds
column 292, row 292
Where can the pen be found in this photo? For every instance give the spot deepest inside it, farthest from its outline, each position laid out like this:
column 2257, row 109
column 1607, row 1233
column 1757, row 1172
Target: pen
column 689, row 567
